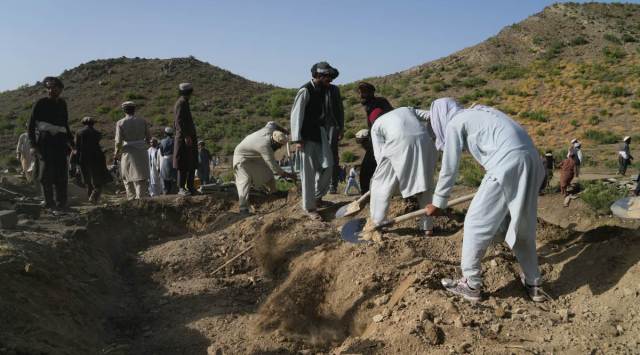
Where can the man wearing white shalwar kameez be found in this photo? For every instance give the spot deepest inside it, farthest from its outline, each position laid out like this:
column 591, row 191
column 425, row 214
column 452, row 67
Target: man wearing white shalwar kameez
column 132, row 135
column 155, row 159
column 406, row 159
column 507, row 198
column 25, row 156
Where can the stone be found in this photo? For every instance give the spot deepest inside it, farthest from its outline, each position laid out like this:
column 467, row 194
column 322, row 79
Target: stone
column 433, row 335
column 493, row 263
column 424, row 315
column 381, row 300
column 378, row 318
column 619, row 330
column 564, row 315
column 8, row 219
column 500, row 312
column 496, row 328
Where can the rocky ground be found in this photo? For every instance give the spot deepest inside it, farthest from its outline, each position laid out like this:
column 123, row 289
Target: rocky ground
column 141, row 278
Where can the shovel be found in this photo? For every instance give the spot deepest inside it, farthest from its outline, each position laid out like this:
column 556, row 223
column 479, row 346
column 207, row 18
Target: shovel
column 352, row 230
column 353, row 207
column 628, row 207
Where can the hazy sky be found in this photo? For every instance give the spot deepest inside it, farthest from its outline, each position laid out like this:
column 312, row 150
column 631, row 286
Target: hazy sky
column 273, row 41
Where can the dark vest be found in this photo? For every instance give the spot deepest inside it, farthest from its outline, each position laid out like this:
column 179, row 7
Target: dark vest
column 313, row 114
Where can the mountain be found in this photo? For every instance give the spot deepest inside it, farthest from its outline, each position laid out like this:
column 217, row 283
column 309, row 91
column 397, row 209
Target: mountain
column 572, row 70
column 225, row 106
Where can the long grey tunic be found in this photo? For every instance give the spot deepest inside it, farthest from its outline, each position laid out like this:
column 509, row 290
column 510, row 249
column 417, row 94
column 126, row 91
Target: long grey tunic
column 132, row 133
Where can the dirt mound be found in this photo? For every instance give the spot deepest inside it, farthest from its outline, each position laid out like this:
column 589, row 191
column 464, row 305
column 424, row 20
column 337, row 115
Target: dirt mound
column 139, row 278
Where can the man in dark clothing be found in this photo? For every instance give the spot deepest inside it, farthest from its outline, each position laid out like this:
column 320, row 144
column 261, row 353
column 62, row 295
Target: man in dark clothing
column 185, row 153
column 316, row 121
column 91, row 160
column 624, row 156
column 167, row 171
column 549, row 165
column 335, row 121
column 374, row 107
column 51, row 138
column 204, row 157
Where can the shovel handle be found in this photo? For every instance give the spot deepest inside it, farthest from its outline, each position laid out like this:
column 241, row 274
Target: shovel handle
column 363, row 197
column 420, row 212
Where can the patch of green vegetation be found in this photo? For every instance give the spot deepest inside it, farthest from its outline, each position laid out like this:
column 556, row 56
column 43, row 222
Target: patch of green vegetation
column 600, row 196
column 578, row 41
column 613, row 55
column 471, row 173
column 134, row 96
column 348, row 157
column 627, row 38
column 601, row 136
column 574, row 123
column 611, row 38
column 635, row 105
column 553, row 50
column 477, row 94
column 439, row 86
column 507, row 71
column 473, row 82
column 539, row 116
column 594, row 120
column 101, row 110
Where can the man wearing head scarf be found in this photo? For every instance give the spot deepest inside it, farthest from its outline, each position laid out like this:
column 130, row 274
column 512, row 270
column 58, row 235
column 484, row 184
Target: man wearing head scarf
column 316, row 122
column 575, row 153
column 406, row 160
column 204, row 159
column 624, row 156
column 507, row 196
column 52, row 140
column 91, row 159
column 374, row 106
column 167, row 171
column 185, row 155
column 155, row 160
column 254, row 162
column 132, row 135
column 24, row 154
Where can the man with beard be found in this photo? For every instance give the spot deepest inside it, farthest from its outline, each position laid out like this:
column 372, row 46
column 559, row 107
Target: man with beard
column 374, row 106
column 185, row 153
column 314, row 124
column 93, row 165
column 51, row 138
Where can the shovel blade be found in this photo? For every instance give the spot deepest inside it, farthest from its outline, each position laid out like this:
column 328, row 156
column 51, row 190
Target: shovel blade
column 348, row 210
column 628, row 207
column 351, row 230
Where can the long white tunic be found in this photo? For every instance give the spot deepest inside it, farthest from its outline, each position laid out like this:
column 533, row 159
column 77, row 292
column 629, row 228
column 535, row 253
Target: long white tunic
column 507, row 154
column 155, row 182
column 23, row 149
column 132, row 133
column 400, row 137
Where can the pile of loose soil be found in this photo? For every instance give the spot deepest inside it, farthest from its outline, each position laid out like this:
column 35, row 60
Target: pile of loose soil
column 141, row 277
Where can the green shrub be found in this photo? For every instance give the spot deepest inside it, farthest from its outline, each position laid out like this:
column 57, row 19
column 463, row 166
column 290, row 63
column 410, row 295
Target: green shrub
column 507, row 71
column 539, row 116
column 348, row 157
column 628, row 38
column 574, row 123
column 611, row 38
column 594, row 120
column 439, row 86
column 614, row 54
column 473, row 82
column 601, row 137
column 578, row 41
column 133, row 96
column 471, row 173
column 349, row 134
column 599, row 196
column 619, row 91
column 635, row 104
column 284, row 185
column 101, row 110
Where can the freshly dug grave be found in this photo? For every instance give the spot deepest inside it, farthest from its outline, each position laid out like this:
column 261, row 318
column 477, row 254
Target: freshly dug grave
column 139, row 278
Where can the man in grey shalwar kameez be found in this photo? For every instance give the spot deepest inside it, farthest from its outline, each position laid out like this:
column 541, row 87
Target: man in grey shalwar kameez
column 132, row 135
column 155, row 159
column 311, row 131
column 507, row 198
column 406, row 159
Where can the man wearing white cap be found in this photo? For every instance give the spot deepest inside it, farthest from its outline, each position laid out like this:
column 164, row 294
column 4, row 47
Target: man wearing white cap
column 167, row 171
column 507, row 198
column 406, row 157
column 132, row 135
column 624, row 156
column 155, row 161
column 185, row 153
column 254, row 162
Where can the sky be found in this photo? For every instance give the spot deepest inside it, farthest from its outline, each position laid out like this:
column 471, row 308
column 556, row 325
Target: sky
column 271, row 41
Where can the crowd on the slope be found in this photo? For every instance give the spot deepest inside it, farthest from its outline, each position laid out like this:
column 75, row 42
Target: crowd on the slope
column 401, row 147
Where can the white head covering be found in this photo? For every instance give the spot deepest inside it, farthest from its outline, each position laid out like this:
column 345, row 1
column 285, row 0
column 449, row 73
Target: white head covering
column 573, row 141
column 279, row 137
column 363, row 133
column 626, row 138
column 185, row 86
column 128, row 104
column 168, row 130
column 87, row 120
column 441, row 112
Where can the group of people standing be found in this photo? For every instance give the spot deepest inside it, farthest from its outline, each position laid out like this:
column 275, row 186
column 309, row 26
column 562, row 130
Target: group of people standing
column 146, row 166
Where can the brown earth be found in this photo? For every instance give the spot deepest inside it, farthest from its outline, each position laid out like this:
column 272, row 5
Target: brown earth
column 137, row 278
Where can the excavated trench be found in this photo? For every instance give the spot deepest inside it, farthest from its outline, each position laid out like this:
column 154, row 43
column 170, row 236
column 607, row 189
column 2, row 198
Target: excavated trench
column 138, row 278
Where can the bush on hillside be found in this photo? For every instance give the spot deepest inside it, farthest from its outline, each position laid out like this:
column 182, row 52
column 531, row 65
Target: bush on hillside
column 538, row 116
column 614, row 54
column 627, row 38
column 348, row 157
column 601, row 137
column 611, row 38
column 507, row 71
column 470, row 172
column 599, row 195
column 473, row 82
column 594, row 120
column 635, row 104
column 578, row 41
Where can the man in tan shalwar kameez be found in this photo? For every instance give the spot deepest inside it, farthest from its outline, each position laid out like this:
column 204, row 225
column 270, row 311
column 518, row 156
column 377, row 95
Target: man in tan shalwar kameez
column 132, row 136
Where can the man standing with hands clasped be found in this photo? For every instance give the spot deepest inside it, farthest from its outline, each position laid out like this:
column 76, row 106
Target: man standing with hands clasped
column 185, row 152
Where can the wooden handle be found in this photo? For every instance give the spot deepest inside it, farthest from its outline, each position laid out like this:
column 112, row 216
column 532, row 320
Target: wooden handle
column 363, row 197
column 420, row 213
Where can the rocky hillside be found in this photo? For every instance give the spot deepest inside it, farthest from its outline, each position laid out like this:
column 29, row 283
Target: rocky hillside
column 572, row 70
column 224, row 105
